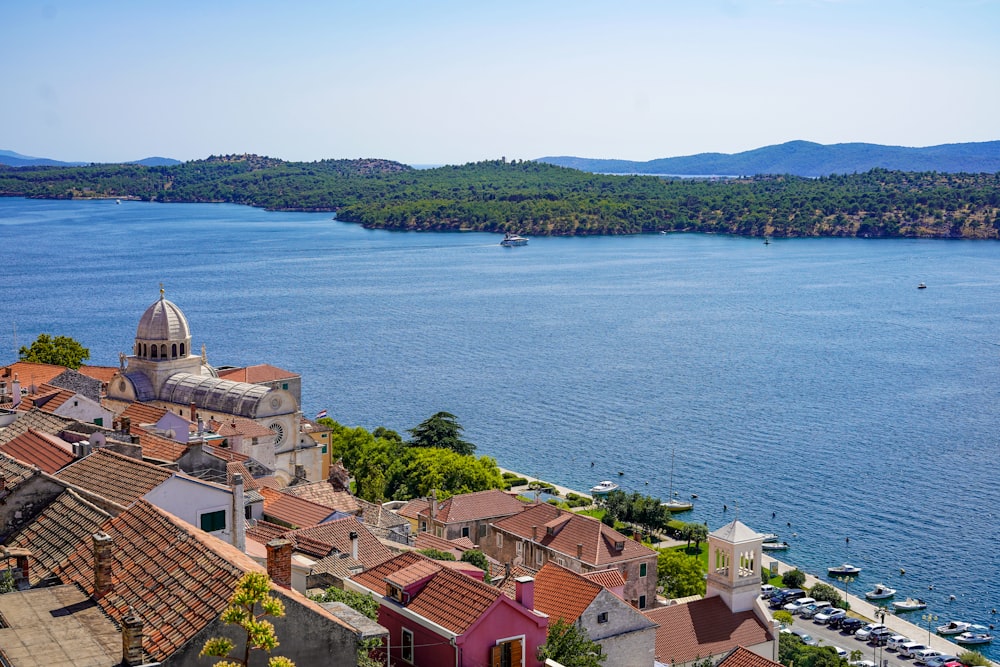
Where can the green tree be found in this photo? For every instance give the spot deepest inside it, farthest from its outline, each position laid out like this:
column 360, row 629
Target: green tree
column 60, row 351
column 973, row 659
column 783, row 617
column 424, row 469
column 570, row 645
column 477, row 558
column 252, row 590
column 680, row 575
column 436, row 554
column 699, row 533
column 363, row 602
column 826, row 592
column 440, row 430
column 793, row 578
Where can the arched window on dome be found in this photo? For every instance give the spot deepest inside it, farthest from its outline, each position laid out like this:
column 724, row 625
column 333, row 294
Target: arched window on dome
column 182, row 350
column 138, row 350
column 163, row 350
column 154, row 352
column 173, row 351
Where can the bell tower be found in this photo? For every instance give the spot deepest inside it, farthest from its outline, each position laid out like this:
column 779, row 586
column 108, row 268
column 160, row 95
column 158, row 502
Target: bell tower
column 734, row 564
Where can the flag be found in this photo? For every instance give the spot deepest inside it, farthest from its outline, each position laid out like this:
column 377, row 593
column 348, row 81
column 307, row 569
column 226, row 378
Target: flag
column 321, row 414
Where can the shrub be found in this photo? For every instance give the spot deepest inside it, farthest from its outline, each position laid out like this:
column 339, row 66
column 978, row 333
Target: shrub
column 793, row 578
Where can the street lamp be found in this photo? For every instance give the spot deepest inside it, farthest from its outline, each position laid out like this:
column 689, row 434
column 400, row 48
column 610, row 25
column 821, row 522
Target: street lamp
column 880, row 617
column 929, row 618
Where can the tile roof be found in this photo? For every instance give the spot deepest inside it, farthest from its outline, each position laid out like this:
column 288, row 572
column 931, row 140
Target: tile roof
column 233, row 467
column 320, row 540
column 241, row 426
column 13, row 472
column 597, row 539
column 36, row 419
column 296, row 512
column 265, row 531
column 611, row 578
column 508, row 585
column 144, row 413
column 79, row 383
column 412, row 508
column 157, row 447
column 322, row 493
column 225, row 454
column 428, row 540
column 57, row 531
column 744, row 657
column 118, row 478
column 450, row 599
column 29, row 373
column 479, row 505
column 40, row 449
column 102, row 373
column 257, row 374
column 703, row 628
column 564, row 594
column 49, row 398
column 377, row 516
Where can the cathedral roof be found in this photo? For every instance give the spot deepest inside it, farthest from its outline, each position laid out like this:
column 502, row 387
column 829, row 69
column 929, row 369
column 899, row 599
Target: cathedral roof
column 205, row 391
column 163, row 321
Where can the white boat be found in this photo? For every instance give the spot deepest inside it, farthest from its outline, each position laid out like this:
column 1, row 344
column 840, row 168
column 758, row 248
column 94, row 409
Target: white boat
column 774, row 546
column 921, row 286
column 880, row 592
column 604, row 488
column 510, row 240
column 769, row 537
column 909, row 604
column 953, row 628
column 845, row 570
column 976, row 634
column 675, row 504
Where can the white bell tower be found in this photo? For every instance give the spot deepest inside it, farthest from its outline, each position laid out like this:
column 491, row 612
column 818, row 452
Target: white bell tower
column 734, row 564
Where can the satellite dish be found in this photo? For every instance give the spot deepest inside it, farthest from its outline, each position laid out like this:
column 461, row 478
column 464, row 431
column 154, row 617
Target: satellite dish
column 170, row 433
column 97, row 440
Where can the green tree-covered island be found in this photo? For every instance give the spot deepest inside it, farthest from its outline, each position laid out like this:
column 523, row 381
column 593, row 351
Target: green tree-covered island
column 542, row 199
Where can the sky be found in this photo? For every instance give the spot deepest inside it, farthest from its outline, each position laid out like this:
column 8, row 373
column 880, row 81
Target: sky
column 441, row 82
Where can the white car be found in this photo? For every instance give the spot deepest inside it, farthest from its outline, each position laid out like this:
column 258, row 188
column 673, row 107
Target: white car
column 841, row 652
column 909, row 649
column 813, row 609
column 827, row 615
column 864, row 633
column 861, row 663
column 921, row 657
column 894, row 642
column 795, row 606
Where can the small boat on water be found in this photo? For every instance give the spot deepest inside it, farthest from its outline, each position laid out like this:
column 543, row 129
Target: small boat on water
column 774, row 546
column 675, row 504
column 953, row 628
column 921, row 286
column 510, row 239
column 845, row 570
column 909, row 604
column 604, row 488
column 769, row 537
column 880, row 592
column 976, row 634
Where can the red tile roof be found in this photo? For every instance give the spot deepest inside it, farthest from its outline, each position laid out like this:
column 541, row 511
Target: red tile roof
column 477, row 506
column 322, row 493
column 144, row 413
column 118, row 478
column 611, row 578
column 40, row 449
column 265, row 531
column 296, row 512
column 102, row 373
column 564, row 594
column 412, row 508
column 48, row 398
column 450, row 599
column 157, row 447
column 703, row 628
column 598, row 540
column 257, row 374
column 241, row 426
column 319, row 541
column 426, row 540
column 30, row 374
column 744, row 657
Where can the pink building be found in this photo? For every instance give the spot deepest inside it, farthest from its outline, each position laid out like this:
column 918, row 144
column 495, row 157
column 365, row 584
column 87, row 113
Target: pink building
column 436, row 615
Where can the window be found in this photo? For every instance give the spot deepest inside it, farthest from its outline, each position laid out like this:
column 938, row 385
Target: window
column 508, row 653
column 539, row 557
column 213, row 521
column 465, row 532
column 500, row 540
column 602, row 617
column 284, row 385
column 423, row 526
column 99, row 421
column 406, row 648
column 642, row 569
column 642, row 602
column 520, row 548
column 247, row 513
column 182, row 349
column 324, row 449
column 173, row 350
column 482, row 530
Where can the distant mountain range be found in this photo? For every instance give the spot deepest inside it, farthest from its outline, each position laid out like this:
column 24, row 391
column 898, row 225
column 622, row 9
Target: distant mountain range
column 805, row 158
column 12, row 159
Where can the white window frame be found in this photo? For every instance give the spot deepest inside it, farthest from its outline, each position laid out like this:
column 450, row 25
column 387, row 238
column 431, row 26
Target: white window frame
column 405, row 646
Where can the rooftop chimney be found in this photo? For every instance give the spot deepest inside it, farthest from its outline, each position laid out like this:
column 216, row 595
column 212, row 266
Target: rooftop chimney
column 534, row 533
column 127, row 425
column 103, row 560
column 354, row 545
column 434, row 504
column 132, row 627
column 579, row 552
column 194, row 414
column 279, row 562
column 15, row 389
column 239, row 514
column 524, row 592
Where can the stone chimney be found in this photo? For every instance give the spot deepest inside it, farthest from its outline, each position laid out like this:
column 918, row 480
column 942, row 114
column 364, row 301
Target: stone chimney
column 434, row 504
column 354, row 545
column 239, row 514
column 15, row 389
column 279, row 562
column 524, row 592
column 127, row 425
column 103, row 562
column 132, row 631
column 534, row 533
column 579, row 552
column 194, row 413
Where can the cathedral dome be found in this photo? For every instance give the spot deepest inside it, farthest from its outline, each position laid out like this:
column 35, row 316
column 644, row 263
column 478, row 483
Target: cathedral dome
column 163, row 321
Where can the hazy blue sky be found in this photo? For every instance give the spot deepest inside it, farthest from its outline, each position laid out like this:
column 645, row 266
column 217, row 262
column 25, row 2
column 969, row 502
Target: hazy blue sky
column 452, row 82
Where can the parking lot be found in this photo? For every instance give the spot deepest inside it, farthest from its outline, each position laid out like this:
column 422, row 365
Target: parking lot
column 829, row 637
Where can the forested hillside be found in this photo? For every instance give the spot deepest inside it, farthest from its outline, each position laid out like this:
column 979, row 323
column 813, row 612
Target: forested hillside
column 540, row 199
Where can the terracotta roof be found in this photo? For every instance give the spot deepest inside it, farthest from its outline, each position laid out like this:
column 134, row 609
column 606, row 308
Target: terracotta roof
column 744, row 657
column 703, row 628
column 320, row 540
column 295, row 512
column 375, row 515
column 176, row 577
column 57, row 531
column 36, row 419
column 29, row 373
column 265, row 531
column 257, row 374
column 476, row 506
column 144, row 413
column 157, row 447
column 411, row 509
column 450, row 599
column 13, row 472
column 427, row 540
column 118, row 478
column 564, row 594
column 611, row 578
column 597, row 539
column 102, row 373
column 40, row 449
column 226, row 454
column 240, row 426
column 322, row 493
column 49, row 398
column 233, row 467
column 508, row 585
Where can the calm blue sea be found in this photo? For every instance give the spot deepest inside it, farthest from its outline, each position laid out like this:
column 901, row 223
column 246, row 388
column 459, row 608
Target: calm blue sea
column 809, row 378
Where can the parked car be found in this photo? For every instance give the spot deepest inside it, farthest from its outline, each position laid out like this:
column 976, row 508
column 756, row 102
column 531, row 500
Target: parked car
column 940, row 660
column 806, row 638
column 909, row 649
column 811, row 610
column 767, row 590
column 841, row 652
column 864, row 633
column 828, row 615
column 921, row 657
column 835, row 622
column 795, row 606
column 850, row 625
column 894, row 642
column 880, row 636
column 786, row 595
column 861, row 663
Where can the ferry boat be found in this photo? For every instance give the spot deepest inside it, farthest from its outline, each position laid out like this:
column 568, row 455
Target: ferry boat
column 510, row 240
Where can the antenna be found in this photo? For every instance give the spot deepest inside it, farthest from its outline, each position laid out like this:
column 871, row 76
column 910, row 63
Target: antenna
column 17, row 350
